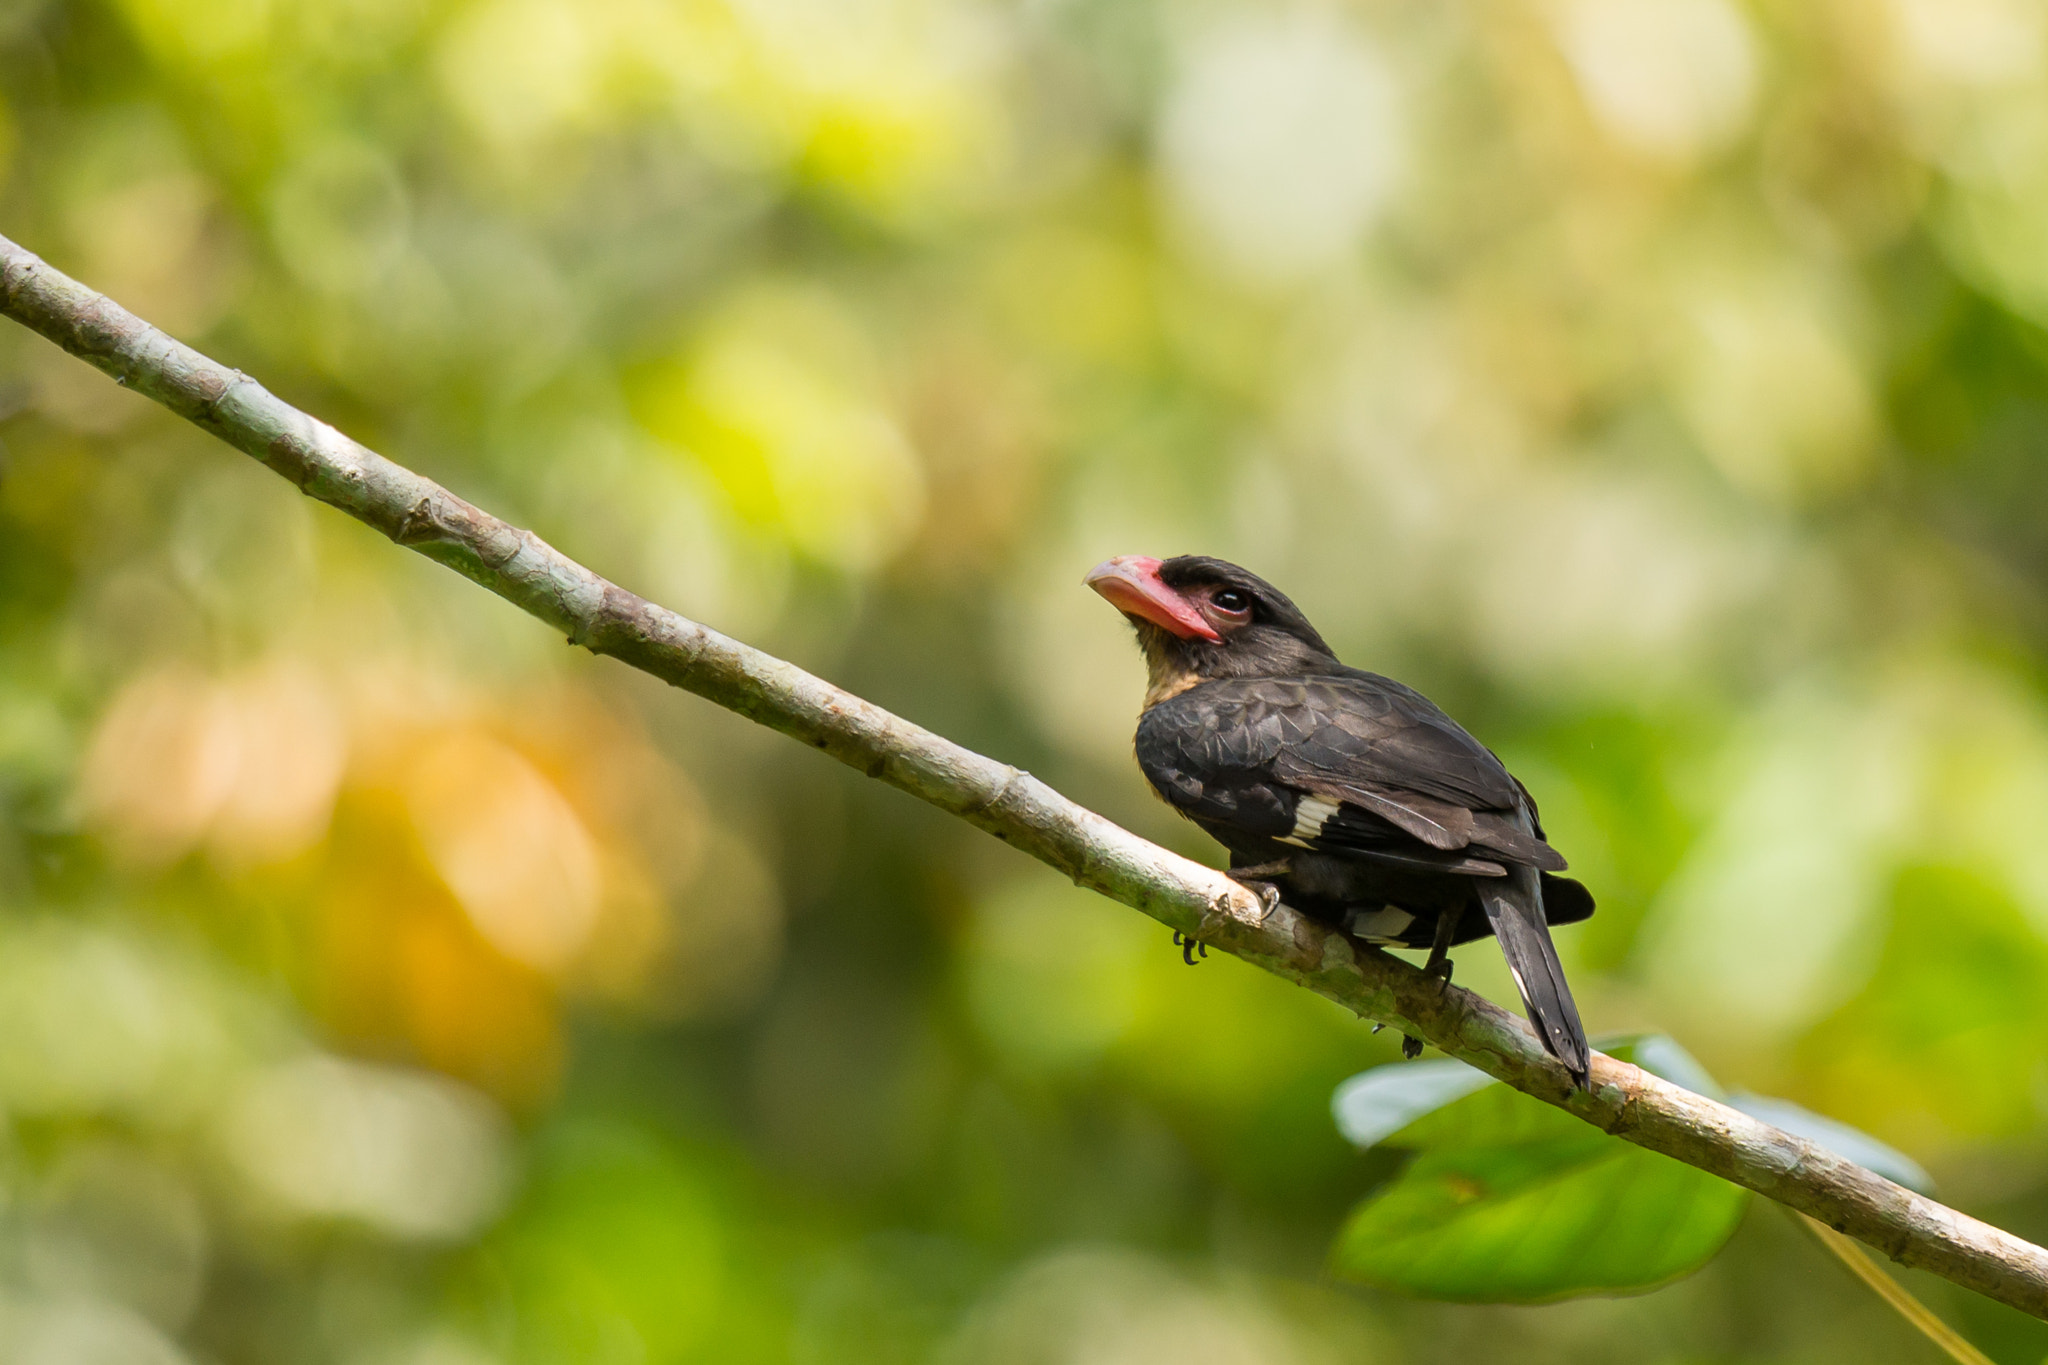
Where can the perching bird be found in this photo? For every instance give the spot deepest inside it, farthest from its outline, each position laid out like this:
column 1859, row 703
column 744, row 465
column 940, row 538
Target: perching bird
column 1364, row 805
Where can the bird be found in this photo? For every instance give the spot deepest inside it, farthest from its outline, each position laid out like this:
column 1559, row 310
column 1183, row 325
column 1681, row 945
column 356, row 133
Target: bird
column 1346, row 795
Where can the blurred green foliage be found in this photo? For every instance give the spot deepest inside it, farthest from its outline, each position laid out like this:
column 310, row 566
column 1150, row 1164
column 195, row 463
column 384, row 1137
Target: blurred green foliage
column 1654, row 382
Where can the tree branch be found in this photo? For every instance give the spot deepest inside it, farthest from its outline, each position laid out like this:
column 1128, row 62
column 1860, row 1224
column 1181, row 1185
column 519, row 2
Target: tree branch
column 1008, row 803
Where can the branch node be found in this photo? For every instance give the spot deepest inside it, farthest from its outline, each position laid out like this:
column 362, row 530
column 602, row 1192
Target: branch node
column 420, row 524
column 1011, row 777
column 214, row 392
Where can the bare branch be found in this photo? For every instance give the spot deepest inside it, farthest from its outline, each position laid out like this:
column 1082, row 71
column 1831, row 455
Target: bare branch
column 1008, row 803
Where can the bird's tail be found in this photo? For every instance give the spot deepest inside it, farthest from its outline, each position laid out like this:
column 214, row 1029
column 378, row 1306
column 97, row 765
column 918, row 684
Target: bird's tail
column 1514, row 907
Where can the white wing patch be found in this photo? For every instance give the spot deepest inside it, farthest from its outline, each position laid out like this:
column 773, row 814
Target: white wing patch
column 1311, row 813
column 1520, row 989
column 1384, row 925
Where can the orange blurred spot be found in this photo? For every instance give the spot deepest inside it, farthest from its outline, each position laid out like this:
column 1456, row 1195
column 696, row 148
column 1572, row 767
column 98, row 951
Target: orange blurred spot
column 518, row 859
column 399, row 970
column 160, row 765
column 472, row 1014
column 248, row 766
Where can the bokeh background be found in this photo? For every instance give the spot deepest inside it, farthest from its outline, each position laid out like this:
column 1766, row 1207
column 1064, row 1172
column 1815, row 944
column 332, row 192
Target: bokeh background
column 1657, row 383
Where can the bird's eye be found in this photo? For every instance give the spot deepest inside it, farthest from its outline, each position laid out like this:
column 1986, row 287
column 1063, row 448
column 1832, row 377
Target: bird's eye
column 1230, row 599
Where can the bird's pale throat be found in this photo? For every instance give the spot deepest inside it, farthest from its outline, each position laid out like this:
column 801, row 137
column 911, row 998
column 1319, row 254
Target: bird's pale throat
column 1167, row 674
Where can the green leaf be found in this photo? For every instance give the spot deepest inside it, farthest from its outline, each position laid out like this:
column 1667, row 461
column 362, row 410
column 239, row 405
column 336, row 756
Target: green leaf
column 1537, row 1221
column 1510, row 1200
column 1374, row 1105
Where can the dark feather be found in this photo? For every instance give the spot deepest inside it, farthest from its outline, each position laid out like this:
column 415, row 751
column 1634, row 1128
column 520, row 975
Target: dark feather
column 1514, row 908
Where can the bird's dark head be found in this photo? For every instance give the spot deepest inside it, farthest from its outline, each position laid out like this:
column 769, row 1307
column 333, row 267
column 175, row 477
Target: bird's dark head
column 1199, row 619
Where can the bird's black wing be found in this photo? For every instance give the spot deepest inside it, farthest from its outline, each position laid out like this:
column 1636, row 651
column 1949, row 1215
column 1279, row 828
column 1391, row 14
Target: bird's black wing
column 1352, row 764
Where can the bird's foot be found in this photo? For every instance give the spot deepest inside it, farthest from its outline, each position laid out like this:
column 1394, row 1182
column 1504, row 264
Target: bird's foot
column 1189, row 945
column 1439, row 964
column 1411, row 1046
column 1268, row 894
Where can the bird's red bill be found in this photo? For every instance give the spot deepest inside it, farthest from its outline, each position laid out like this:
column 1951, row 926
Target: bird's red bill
column 1131, row 584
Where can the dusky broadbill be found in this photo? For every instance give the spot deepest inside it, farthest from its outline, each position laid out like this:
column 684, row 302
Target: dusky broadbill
column 1355, row 797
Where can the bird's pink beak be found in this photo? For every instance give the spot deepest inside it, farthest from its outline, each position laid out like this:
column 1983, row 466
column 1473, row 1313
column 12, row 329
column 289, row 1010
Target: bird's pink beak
column 1132, row 585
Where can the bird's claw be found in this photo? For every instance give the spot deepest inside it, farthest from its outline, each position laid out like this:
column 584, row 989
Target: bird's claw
column 1267, row 892
column 1189, row 945
column 1411, row 1046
